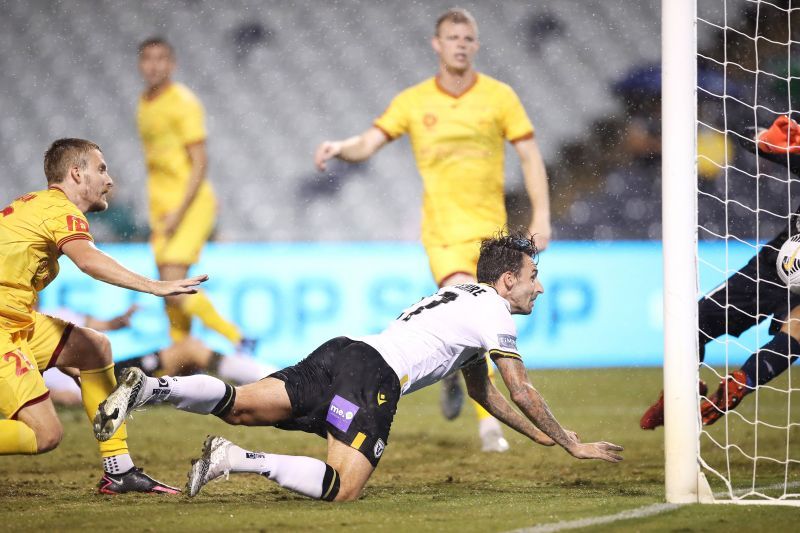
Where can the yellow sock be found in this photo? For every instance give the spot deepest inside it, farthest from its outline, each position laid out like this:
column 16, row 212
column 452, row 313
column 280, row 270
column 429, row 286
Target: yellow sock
column 96, row 385
column 480, row 412
column 16, row 438
column 200, row 306
column 180, row 323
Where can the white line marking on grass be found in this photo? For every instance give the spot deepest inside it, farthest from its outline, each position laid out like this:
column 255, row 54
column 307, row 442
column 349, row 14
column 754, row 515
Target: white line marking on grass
column 639, row 512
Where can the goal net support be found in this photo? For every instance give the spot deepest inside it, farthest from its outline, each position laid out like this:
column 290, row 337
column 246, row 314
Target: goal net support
column 729, row 68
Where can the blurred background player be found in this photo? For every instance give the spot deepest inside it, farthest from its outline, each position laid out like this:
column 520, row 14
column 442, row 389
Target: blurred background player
column 748, row 297
column 182, row 203
column 458, row 121
column 34, row 231
column 187, row 356
column 348, row 390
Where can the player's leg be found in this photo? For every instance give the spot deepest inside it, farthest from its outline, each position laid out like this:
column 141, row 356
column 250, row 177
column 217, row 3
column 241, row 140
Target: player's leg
column 764, row 365
column 31, row 425
column 175, row 255
column 90, row 352
column 732, row 308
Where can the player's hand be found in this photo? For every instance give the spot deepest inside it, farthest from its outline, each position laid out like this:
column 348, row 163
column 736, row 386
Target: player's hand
column 605, row 451
column 178, row 286
column 123, row 320
column 325, row 151
column 782, row 137
column 170, row 223
column 541, row 232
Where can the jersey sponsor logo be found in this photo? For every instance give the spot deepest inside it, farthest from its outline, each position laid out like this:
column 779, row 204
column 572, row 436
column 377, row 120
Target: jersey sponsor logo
column 429, row 120
column 507, row 341
column 341, row 413
column 378, row 449
column 76, row 224
column 381, row 398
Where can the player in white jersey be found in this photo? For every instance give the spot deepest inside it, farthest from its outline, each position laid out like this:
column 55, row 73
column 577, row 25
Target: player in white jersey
column 347, row 389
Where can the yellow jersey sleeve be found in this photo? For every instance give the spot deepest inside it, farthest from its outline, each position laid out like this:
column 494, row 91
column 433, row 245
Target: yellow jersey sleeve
column 190, row 120
column 514, row 120
column 394, row 122
column 66, row 223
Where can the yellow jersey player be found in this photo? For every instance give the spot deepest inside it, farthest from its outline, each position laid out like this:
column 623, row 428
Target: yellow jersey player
column 458, row 122
column 182, row 203
column 35, row 230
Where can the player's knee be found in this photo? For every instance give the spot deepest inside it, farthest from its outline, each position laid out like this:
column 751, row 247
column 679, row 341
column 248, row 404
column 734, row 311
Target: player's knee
column 48, row 437
column 102, row 350
column 348, row 494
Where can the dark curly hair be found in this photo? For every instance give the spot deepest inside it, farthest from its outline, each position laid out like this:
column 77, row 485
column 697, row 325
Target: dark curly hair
column 504, row 253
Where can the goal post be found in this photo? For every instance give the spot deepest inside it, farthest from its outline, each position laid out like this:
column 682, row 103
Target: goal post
column 730, row 203
column 679, row 216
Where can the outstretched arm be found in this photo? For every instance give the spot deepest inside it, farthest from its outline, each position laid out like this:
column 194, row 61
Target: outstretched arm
column 483, row 391
column 535, row 176
column 105, row 268
column 533, row 406
column 354, row 149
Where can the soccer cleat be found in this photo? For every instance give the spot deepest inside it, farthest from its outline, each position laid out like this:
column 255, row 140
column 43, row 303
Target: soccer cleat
column 654, row 416
column 452, row 397
column 134, row 480
column 213, row 464
column 729, row 394
column 126, row 396
column 492, row 439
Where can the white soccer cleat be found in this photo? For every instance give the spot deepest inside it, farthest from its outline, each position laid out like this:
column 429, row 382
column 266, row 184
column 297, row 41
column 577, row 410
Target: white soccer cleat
column 492, row 439
column 128, row 395
column 213, row 464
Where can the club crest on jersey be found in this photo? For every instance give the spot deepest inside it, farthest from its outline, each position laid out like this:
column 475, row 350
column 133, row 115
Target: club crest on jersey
column 341, row 413
column 507, row 341
column 378, row 449
column 381, row 398
column 429, row 120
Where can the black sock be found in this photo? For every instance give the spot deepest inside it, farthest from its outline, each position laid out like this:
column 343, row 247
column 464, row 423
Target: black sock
column 225, row 405
column 766, row 364
column 330, row 484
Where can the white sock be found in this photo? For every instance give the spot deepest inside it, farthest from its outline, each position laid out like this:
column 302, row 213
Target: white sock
column 305, row 475
column 242, row 370
column 117, row 464
column 195, row 394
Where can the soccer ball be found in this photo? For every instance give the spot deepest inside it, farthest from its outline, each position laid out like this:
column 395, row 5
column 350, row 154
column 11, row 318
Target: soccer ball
column 788, row 263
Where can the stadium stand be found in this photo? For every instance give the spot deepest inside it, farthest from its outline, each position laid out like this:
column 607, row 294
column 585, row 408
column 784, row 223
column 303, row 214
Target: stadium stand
column 277, row 78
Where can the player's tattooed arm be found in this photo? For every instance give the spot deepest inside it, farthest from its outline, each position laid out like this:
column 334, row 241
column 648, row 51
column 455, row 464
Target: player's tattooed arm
column 485, row 393
column 531, row 403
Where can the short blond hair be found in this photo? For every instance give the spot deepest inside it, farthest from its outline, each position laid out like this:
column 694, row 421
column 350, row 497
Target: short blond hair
column 63, row 154
column 456, row 15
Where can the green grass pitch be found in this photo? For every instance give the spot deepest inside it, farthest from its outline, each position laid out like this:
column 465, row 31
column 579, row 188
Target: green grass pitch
column 432, row 476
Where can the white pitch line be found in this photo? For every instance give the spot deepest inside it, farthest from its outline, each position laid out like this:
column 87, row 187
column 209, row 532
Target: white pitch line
column 639, row 512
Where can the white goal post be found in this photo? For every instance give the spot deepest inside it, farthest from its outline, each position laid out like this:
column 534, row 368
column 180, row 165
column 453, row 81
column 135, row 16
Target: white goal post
column 740, row 81
column 679, row 215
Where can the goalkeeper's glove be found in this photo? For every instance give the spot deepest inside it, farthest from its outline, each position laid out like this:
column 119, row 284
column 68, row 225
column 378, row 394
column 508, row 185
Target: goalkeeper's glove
column 782, row 137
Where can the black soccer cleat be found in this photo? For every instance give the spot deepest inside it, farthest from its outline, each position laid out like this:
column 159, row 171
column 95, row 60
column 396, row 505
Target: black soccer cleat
column 134, row 480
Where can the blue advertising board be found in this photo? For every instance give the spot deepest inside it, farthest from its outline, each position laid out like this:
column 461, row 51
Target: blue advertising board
column 601, row 306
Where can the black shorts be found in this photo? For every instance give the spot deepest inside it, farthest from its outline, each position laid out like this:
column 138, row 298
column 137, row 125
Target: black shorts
column 344, row 388
column 752, row 294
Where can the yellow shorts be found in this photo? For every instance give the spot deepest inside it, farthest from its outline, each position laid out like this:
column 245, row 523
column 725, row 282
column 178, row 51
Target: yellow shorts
column 25, row 355
column 185, row 245
column 453, row 259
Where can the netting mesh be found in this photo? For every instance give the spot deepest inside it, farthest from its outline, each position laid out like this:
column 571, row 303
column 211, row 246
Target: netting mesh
column 748, row 76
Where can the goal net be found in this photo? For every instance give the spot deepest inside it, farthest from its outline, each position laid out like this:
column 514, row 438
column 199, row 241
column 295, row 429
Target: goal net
column 747, row 423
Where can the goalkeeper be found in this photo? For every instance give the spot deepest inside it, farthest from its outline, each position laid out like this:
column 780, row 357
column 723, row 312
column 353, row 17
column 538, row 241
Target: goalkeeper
column 754, row 291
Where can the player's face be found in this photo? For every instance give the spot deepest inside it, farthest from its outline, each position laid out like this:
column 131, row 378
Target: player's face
column 156, row 65
column 456, row 43
column 526, row 289
column 96, row 183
